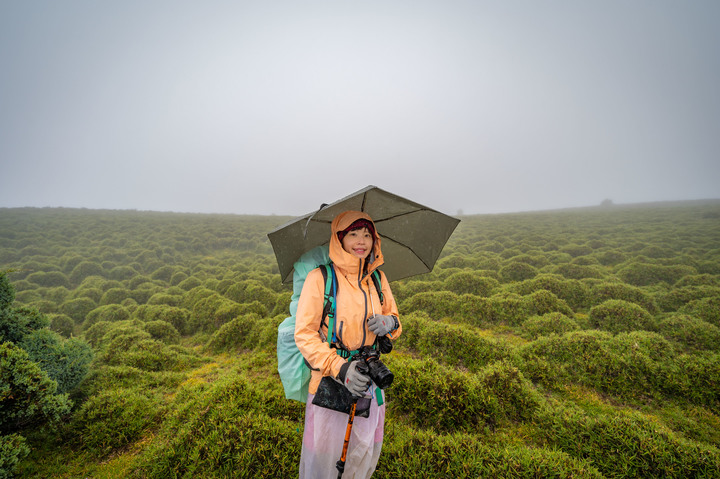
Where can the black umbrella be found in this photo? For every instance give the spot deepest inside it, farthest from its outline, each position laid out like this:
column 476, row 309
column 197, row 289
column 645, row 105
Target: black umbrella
column 412, row 235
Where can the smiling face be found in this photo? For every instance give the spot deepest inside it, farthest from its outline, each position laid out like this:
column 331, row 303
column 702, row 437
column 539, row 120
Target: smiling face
column 358, row 242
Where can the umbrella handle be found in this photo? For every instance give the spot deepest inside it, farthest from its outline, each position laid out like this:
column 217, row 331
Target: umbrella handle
column 307, row 223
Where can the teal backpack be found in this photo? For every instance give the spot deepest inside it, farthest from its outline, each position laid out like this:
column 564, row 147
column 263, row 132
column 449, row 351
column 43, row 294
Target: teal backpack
column 292, row 367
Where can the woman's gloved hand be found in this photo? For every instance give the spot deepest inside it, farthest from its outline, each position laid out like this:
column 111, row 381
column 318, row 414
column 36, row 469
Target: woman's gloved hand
column 381, row 325
column 355, row 381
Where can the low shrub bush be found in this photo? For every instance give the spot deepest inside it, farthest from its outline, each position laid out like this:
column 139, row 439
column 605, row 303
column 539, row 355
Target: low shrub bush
column 410, row 452
column 451, row 344
column 691, row 332
column 548, row 323
column 162, row 331
column 78, row 308
column 707, row 309
column 13, row 449
column 109, row 312
column 616, row 315
column 573, row 292
column 626, row 445
column 437, row 304
column 605, row 291
column 676, row 298
column 644, row 274
column 432, row 395
column 468, row 282
column 176, row 316
column 517, row 271
column 66, row 361
column 62, row 324
column 223, row 430
column 114, row 418
column 27, row 394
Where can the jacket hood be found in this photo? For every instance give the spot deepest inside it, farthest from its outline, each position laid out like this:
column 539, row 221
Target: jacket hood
column 343, row 259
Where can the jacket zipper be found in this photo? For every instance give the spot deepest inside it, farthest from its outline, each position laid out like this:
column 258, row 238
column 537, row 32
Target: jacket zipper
column 366, row 306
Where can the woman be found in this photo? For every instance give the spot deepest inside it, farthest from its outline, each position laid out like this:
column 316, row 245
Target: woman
column 360, row 318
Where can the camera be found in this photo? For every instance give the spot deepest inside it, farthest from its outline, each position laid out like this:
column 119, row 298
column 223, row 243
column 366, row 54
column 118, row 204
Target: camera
column 371, row 365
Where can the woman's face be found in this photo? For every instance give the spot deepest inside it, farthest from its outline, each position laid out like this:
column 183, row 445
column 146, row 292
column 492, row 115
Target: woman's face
column 358, row 243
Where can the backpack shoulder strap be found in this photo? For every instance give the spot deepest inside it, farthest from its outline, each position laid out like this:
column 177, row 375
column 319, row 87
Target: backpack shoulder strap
column 375, row 276
column 328, row 273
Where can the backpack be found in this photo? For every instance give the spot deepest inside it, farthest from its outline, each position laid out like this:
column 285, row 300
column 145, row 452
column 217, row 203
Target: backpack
column 294, row 371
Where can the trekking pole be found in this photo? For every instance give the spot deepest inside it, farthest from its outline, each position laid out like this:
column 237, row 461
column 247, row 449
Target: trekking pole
column 341, row 463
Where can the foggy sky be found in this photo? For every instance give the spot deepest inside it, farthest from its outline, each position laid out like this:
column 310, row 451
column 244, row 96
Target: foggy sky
column 273, row 107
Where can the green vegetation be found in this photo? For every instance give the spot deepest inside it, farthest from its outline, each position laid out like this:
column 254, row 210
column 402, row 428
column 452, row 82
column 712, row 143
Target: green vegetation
column 578, row 343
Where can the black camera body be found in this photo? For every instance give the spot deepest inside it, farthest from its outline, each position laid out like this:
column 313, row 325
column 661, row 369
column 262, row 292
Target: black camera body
column 371, row 365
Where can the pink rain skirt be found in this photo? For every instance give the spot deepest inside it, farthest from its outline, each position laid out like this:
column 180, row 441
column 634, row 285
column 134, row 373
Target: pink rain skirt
column 324, row 436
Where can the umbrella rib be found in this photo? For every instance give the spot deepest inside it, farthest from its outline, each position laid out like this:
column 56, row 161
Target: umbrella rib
column 408, row 248
column 402, row 214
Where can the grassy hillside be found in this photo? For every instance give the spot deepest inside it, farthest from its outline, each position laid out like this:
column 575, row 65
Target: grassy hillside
column 576, row 343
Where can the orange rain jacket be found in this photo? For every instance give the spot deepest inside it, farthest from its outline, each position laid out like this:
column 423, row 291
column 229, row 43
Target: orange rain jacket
column 356, row 298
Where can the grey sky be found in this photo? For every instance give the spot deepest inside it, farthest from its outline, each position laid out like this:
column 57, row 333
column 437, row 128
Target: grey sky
column 276, row 106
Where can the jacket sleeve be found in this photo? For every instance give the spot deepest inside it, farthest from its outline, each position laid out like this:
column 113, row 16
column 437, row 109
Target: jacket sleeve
column 389, row 306
column 316, row 352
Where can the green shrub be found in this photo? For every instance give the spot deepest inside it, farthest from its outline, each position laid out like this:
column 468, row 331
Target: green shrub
column 249, row 291
column 573, row 292
column 16, row 323
column 164, row 298
column 644, row 274
column 130, row 346
column 676, row 298
column 66, row 361
column 109, row 312
column 604, row 291
column 548, row 323
column 626, row 445
column 78, row 308
column 616, row 315
column 12, row 450
column 114, row 418
column 84, row 270
column 242, row 424
column 698, row 280
column 190, row 283
column 7, row 292
column 707, row 309
column 508, row 308
column 178, row 317
column 625, row 365
column 164, row 273
column 122, row 273
column 437, row 304
column 690, row 332
column 451, row 344
column 162, row 331
column 62, row 324
column 517, row 271
column 431, row 395
column 178, row 277
column 243, row 332
column 695, row 378
column 49, row 279
column 579, row 271
column 576, row 250
column 423, row 453
column 467, row 282
column 611, row 257
column 27, row 395
column 115, row 296
column 543, row 301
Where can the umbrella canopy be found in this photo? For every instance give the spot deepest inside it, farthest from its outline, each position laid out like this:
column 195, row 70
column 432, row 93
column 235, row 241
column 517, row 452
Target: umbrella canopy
column 412, row 235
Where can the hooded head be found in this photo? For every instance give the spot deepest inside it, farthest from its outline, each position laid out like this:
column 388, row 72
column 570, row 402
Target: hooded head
column 343, row 224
